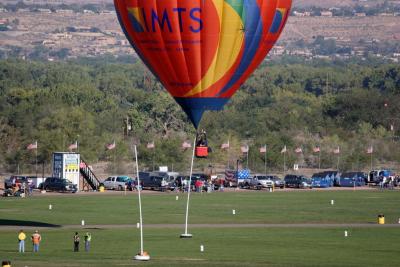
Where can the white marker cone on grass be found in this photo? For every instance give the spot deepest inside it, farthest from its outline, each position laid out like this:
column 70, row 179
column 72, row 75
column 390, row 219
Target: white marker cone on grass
column 201, row 248
column 233, row 212
column 50, row 207
column 83, row 222
column 346, row 234
column 177, row 197
column 137, row 225
column 332, row 202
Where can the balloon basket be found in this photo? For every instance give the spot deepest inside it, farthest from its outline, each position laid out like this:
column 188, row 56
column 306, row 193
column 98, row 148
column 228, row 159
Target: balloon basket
column 186, row 235
column 142, row 257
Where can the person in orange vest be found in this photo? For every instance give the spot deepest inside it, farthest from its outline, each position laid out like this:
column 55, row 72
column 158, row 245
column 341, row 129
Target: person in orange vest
column 21, row 241
column 36, row 238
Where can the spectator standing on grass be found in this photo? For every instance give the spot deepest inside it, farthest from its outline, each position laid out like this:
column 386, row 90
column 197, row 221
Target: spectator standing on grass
column 36, row 239
column 88, row 238
column 76, row 242
column 197, row 184
column 21, row 241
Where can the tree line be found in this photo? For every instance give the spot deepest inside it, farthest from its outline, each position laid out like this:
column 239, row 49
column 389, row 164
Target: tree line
column 295, row 104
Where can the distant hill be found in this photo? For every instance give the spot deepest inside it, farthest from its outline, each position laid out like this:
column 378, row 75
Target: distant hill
column 335, row 3
column 298, row 3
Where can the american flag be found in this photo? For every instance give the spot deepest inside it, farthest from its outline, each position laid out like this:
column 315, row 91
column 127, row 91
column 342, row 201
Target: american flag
column 370, row 150
column 225, row 145
column 284, row 149
column 263, row 149
column 298, row 150
column 111, row 146
column 244, row 174
column 73, row 146
column 244, row 149
column 336, row 151
column 186, row 145
column 316, row 149
column 229, row 175
column 32, row 146
column 151, row 145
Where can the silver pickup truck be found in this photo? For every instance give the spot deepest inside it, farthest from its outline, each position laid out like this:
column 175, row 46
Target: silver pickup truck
column 260, row 181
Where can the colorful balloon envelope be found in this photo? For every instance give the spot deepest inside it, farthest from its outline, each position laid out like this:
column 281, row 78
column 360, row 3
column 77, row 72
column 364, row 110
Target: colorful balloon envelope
column 202, row 50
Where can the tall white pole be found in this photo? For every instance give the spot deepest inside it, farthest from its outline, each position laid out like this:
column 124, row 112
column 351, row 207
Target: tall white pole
column 188, row 197
column 140, row 203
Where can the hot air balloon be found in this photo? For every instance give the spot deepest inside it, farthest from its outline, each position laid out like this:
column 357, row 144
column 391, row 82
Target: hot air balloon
column 202, row 50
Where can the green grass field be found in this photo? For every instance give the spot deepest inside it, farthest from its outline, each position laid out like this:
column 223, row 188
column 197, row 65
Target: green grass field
column 230, row 246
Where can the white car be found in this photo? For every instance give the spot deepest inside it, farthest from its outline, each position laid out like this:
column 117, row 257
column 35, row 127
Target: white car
column 261, row 181
column 116, row 182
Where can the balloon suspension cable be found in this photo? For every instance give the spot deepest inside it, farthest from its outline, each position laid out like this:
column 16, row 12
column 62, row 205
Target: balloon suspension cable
column 140, row 202
column 189, row 189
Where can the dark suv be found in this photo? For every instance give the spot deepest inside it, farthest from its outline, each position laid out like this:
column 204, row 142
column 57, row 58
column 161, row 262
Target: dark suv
column 157, row 183
column 58, row 184
column 297, row 181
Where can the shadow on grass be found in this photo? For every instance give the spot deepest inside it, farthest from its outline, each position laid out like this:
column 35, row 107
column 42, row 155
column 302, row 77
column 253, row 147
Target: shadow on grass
column 5, row 222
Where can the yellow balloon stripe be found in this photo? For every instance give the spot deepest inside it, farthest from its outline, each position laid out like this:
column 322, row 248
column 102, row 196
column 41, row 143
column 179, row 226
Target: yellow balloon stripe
column 230, row 43
column 136, row 13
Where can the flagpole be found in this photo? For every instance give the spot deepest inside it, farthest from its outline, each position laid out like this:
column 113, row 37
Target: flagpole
column 227, row 152
column 265, row 161
column 36, row 159
column 153, row 156
column 338, row 158
column 319, row 160
column 186, row 235
column 284, row 163
column 371, row 161
column 247, row 158
column 141, row 256
column 115, row 156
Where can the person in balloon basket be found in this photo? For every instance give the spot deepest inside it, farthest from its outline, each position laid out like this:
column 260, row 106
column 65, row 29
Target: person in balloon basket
column 76, row 242
column 36, row 239
column 21, row 241
column 201, row 139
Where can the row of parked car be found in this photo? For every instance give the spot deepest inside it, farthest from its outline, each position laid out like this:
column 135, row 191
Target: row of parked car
column 157, row 180
column 322, row 180
column 260, row 181
column 164, row 181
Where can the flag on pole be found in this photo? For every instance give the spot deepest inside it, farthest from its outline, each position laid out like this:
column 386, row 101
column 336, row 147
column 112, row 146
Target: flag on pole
column 111, row 146
column 225, row 145
column 284, row 149
column 336, row 151
column 151, row 145
column 32, row 146
column 298, row 150
column 186, row 145
column 73, row 146
column 316, row 149
column 263, row 149
column 244, row 149
column 370, row 150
